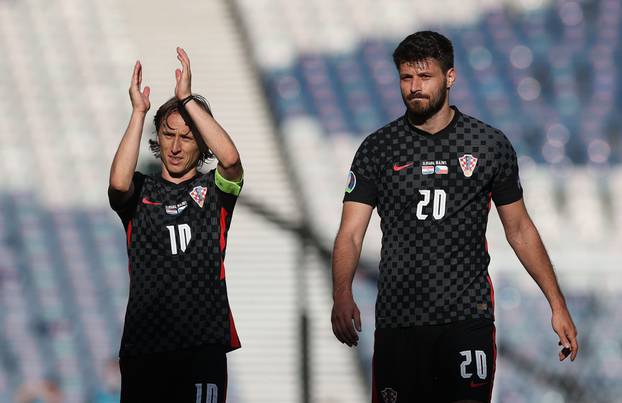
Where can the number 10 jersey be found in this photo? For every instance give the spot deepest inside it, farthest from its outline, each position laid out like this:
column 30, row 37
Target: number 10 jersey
column 176, row 243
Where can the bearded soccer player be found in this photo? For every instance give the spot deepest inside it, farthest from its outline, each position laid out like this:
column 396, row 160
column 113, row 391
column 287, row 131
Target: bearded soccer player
column 432, row 174
column 178, row 325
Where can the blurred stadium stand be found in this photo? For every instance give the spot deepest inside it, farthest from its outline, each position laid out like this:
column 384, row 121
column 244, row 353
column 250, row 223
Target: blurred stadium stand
column 543, row 72
column 298, row 84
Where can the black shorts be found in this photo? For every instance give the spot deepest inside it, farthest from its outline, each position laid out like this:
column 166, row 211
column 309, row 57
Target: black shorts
column 435, row 364
column 188, row 376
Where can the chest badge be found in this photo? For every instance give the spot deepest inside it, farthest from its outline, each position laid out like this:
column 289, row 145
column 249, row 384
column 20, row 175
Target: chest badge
column 198, row 195
column 467, row 163
column 176, row 209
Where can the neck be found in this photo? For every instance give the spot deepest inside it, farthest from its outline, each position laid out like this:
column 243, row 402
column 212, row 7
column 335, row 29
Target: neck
column 176, row 179
column 436, row 122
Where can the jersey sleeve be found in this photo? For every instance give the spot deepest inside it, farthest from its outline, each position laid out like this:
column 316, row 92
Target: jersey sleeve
column 228, row 190
column 506, row 187
column 127, row 209
column 363, row 176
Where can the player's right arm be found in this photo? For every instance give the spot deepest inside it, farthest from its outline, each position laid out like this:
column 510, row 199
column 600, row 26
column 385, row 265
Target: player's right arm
column 346, row 253
column 121, row 187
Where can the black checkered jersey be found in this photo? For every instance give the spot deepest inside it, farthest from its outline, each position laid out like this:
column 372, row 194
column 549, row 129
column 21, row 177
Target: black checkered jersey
column 433, row 193
column 176, row 243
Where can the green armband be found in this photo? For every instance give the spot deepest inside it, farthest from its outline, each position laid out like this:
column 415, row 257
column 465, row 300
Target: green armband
column 228, row 186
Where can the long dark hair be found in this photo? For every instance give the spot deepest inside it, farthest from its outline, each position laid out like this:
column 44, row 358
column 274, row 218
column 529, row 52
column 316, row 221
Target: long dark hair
column 172, row 106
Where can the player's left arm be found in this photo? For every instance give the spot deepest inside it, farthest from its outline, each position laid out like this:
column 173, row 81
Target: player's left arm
column 524, row 238
column 212, row 133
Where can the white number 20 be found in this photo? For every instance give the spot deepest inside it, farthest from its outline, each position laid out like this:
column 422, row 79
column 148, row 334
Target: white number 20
column 438, row 206
column 480, row 364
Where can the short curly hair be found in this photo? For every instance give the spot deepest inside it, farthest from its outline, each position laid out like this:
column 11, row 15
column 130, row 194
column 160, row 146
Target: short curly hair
column 424, row 45
column 172, row 106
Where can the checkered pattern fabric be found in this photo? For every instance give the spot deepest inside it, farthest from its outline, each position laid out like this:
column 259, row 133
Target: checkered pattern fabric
column 434, row 260
column 178, row 295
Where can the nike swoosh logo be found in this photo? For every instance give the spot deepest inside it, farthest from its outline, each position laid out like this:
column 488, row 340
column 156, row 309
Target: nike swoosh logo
column 151, row 203
column 477, row 385
column 400, row 167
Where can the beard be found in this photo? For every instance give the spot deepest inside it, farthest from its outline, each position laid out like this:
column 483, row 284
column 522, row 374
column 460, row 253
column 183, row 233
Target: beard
column 419, row 112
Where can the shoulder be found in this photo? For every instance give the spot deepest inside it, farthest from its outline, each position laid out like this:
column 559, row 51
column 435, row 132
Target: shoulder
column 490, row 134
column 376, row 140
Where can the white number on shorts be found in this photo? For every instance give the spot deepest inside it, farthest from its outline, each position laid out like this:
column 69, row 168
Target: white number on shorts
column 480, row 364
column 211, row 390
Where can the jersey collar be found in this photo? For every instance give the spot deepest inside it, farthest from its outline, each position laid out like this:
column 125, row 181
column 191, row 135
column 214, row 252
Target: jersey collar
column 159, row 177
column 441, row 133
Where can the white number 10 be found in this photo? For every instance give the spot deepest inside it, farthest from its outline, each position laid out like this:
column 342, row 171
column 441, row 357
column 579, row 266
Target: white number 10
column 184, row 237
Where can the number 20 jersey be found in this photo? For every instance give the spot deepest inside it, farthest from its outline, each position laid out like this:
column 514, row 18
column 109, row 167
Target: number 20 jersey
column 176, row 242
column 433, row 194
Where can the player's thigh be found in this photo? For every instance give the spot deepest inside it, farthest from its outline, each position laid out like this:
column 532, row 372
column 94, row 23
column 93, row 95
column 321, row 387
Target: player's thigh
column 468, row 361
column 404, row 366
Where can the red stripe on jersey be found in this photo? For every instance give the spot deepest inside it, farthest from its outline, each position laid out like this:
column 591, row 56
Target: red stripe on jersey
column 223, row 229
column 223, row 240
column 222, row 269
column 492, row 291
column 129, row 233
column 129, row 241
column 235, row 341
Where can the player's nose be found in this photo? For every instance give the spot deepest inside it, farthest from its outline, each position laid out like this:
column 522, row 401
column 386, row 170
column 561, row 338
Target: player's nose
column 176, row 145
column 415, row 85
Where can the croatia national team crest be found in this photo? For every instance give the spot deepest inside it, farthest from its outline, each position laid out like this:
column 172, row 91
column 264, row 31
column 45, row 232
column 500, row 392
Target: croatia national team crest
column 198, row 195
column 467, row 163
column 388, row 395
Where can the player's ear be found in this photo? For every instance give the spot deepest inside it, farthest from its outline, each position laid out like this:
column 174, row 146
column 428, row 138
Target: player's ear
column 451, row 77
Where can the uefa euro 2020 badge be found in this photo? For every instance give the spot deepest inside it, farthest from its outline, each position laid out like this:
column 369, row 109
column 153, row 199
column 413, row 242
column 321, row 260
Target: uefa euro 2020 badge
column 351, row 182
column 198, row 195
column 467, row 163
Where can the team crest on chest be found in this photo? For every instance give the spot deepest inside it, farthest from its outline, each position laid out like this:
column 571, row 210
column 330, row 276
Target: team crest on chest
column 467, row 163
column 198, row 195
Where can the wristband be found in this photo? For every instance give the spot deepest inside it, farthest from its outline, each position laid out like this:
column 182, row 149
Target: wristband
column 183, row 102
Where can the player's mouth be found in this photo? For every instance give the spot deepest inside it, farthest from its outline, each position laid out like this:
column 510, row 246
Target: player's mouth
column 175, row 160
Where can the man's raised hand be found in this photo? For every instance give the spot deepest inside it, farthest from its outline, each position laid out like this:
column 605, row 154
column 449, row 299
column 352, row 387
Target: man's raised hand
column 182, row 76
column 140, row 100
